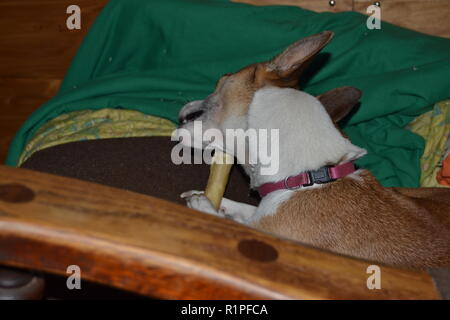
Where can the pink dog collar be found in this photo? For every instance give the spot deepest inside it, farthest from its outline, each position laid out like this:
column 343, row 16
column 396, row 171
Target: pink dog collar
column 308, row 178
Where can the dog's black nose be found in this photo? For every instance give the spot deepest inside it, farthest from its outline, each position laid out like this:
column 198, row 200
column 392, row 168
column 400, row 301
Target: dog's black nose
column 190, row 116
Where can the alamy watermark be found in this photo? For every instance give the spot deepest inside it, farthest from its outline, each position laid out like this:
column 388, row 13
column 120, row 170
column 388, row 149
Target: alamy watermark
column 252, row 146
column 374, row 19
column 74, row 280
column 74, row 20
column 374, row 280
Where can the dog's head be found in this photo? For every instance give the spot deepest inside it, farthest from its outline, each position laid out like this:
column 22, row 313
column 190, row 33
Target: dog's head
column 234, row 92
column 228, row 106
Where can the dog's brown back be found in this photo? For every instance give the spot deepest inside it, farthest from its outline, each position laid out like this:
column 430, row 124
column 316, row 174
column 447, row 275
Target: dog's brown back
column 360, row 218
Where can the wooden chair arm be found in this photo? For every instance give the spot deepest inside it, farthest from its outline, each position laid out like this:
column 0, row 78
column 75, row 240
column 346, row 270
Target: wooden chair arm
column 163, row 250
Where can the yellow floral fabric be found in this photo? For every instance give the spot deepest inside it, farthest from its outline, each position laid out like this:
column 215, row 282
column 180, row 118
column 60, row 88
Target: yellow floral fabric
column 434, row 127
column 96, row 124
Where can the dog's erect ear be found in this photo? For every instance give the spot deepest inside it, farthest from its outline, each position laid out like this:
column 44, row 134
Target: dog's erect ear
column 340, row 101
column 288, row 65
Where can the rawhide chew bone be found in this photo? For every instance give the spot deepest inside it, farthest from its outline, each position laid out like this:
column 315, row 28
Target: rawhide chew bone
column 218, row 177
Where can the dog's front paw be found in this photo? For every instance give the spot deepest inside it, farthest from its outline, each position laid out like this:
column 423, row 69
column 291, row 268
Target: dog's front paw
column 198, row 201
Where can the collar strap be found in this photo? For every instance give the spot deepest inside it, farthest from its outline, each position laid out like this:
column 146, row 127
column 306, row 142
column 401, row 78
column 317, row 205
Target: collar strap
column 308, row 178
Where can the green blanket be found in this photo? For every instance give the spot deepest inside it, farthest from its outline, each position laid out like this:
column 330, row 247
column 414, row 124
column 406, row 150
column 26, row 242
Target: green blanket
column 154, row 56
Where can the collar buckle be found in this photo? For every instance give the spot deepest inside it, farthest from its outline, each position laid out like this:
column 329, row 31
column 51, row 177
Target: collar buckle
column 320, row 176
column 308, row 178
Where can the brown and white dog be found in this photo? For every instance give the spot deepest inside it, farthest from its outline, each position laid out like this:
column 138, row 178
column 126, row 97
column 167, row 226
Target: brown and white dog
column 353, row 215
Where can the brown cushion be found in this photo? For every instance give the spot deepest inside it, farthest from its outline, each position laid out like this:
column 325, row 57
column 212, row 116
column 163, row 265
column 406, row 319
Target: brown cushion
column 137, row 164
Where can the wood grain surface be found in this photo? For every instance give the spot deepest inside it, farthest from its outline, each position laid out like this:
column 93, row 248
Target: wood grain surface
column 426, row 16
column 163, row 250
column 19, row 97
column 35, row 41
column 36, row 49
